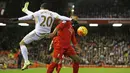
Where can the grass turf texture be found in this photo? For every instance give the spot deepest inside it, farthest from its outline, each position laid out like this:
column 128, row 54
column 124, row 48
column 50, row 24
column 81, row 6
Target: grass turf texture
column 69, row 70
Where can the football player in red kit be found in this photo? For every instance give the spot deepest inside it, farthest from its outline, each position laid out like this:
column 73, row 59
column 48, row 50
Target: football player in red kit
column 58, row 67
column 62, row 45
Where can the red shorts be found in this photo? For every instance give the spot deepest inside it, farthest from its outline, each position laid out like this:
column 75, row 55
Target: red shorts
column 69, row 51
column 59, row 50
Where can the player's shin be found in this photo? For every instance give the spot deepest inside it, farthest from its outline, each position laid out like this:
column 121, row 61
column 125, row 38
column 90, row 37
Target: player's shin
column 24, row 52
column 51, row 67
column 59, row 68
column 75, row 67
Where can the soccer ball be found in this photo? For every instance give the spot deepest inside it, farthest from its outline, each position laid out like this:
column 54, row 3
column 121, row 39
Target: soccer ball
column 82, row 31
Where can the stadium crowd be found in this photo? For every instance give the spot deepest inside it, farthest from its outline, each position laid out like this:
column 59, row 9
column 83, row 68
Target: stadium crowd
column 108, row 47
column 106, row 9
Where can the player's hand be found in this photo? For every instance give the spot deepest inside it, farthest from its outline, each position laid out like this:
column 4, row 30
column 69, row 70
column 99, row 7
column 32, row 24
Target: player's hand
column 51, row 35
column 13, row 19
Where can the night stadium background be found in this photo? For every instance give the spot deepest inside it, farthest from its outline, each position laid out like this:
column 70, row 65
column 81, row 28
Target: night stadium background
column 106, row 48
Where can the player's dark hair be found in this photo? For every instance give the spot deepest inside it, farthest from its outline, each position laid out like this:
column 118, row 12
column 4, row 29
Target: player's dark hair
column 45, row 5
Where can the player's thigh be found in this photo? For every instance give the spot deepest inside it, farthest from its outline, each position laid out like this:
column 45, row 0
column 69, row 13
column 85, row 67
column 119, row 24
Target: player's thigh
column 75, row 58
column 32, row 36
column 56, row 60
column 58, row 53
column 70, row 51
column 72, row 54
column 56, row 56
column 43, row 35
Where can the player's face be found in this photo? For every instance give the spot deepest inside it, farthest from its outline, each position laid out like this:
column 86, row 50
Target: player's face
column 74, row 17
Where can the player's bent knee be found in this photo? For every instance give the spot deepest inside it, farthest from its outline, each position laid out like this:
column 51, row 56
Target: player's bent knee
column 56, row 60
column 76, row 59
column 22, row 43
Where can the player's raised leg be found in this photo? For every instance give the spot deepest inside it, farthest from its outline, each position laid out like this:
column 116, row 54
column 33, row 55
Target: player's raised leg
column 25, row 9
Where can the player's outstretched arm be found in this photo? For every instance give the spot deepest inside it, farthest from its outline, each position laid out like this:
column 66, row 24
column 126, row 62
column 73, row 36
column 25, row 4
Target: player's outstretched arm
column 64, row 18
column 53, row 33
column 27, row 17
column 50, row 48
column 13, row 19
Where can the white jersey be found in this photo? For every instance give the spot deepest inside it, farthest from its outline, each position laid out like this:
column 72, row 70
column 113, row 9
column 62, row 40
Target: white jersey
column 44, row 20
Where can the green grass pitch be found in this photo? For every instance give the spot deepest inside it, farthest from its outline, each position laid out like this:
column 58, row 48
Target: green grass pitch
column 69, row 70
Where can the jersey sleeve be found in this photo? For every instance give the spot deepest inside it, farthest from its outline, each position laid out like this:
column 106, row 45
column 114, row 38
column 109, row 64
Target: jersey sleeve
column 73, row 39
column 61, row 25
column 57, row 16
column 64, row 18
column 30, row 16
column 27, row 17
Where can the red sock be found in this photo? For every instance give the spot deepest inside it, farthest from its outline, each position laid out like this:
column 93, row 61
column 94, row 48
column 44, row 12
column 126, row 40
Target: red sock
column 58, row 68
column 75, row 67
column 51, row 67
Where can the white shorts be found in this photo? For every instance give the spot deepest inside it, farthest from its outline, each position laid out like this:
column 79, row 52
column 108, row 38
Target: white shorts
column 33, row 36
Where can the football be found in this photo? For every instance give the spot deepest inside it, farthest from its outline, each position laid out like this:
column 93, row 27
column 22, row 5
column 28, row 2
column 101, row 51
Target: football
column 82, row 31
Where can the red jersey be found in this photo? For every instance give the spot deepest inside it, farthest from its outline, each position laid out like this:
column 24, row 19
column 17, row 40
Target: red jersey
column 66, row 34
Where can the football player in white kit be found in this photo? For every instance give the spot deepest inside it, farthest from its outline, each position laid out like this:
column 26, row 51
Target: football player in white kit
column 43, row 22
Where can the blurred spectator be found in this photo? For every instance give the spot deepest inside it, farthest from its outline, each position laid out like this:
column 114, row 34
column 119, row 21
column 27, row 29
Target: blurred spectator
column 115, row 9
column 102, row 45
column 19, row 60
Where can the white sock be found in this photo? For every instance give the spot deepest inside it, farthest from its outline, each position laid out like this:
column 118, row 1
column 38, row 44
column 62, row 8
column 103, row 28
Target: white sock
column 24, row 52
column 28, row 12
